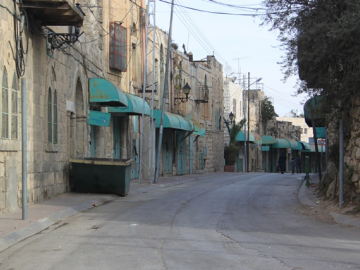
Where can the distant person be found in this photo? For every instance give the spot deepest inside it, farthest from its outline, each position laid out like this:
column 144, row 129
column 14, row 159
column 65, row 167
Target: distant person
column 292, row 165
column 282, row 161
column 298, row 164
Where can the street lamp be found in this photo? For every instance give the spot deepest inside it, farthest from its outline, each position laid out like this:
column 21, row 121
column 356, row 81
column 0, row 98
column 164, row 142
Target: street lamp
column 231, row 116
column 248, row 120
column 186, row 89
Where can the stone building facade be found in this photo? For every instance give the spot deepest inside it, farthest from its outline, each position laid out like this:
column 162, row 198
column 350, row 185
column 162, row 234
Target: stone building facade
column 233, row 102
column 305, row 131
column 59, row 102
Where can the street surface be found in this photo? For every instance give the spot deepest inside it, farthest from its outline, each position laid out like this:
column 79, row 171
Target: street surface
column 223, row 221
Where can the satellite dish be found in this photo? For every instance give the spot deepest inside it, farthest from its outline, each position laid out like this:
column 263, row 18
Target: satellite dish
column 233, row 79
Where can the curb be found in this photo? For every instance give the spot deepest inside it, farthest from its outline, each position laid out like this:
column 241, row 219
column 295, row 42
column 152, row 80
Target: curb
column 44, row 223
column 302, row 196
column 341, row 219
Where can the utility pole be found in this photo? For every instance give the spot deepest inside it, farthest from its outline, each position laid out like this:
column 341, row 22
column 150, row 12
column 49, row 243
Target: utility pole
column 157, row 165
column 244, row 108
column 248, row 123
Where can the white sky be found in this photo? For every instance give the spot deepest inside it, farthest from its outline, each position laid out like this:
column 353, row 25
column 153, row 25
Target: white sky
column 231, row 37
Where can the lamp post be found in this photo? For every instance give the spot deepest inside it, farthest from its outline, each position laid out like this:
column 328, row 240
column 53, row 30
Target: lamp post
column 186, row 90
column 248, row 120
column 231, row 116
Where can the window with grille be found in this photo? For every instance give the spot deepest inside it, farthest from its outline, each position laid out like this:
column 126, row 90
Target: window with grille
column 55, row 119
column 118, row 48
column 217, row 119
column 52, row 117
column 234, row 107
column 14, row 109
column 5, row 107
column 49, row 117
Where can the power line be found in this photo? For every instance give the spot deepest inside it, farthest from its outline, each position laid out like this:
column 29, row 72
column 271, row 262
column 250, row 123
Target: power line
column 197, row 34
column 234, row 6
column 215, row 12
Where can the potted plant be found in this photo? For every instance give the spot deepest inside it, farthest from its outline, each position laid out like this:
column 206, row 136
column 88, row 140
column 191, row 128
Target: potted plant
column 231, row 150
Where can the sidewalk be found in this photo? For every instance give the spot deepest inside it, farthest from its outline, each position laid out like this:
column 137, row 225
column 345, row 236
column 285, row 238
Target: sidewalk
column 307, row 197
column 46, row 213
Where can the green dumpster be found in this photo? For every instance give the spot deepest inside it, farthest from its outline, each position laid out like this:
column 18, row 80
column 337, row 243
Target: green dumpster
column 100, row 175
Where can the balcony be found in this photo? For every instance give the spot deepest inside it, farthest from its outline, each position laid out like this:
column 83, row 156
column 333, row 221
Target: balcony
column 54, row 12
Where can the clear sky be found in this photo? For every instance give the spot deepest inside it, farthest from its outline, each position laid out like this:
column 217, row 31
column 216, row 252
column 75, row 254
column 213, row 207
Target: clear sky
column 230, row 37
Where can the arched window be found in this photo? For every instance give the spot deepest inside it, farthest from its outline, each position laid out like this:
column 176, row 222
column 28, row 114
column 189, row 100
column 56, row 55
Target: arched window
column 5, row 106
column 180, row 75
column 49, row 116
column 14, row 109
column 206, row 89
column 162, row 59
column 55, row 118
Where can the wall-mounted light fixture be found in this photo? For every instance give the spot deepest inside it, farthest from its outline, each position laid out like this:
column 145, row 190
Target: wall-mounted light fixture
column 186, row 89
column 231, row 116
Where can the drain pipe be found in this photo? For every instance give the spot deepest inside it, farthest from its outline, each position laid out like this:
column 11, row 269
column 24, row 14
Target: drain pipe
column 24, row 148
column 341, row 165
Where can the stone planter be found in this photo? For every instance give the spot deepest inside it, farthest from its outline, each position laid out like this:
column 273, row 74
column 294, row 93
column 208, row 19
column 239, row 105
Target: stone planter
column 229, row 168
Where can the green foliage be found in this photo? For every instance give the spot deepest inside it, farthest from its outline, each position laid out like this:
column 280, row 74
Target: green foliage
column 348, row 173
column 267, row 110
column 234, row 129
column 321, row 40
column 231, row 150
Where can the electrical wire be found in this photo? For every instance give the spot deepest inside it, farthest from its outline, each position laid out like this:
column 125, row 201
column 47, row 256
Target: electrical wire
column 20, row 52
column 198, row 35
column 100, row 24
column 281, row 98
column 216, row 12
column 234, row 6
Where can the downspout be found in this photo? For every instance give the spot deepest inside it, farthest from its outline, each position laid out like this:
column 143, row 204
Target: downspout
column 171, row 102
column 143, row 6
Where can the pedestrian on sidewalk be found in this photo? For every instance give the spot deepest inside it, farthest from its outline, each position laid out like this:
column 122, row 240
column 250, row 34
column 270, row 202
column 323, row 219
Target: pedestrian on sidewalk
column 282, row 161
column 292, row 165
column 298, row 164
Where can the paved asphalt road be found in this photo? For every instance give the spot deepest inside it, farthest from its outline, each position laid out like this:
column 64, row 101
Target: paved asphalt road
column 238, row 221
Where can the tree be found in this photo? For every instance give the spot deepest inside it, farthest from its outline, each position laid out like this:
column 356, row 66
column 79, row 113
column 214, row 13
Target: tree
column 321, row 40
column 231, row 150
column 267, row 112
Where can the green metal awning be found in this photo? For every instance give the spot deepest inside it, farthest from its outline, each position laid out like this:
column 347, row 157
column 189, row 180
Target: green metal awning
column 312, row 149
column 99, row 118
column 257, row 138
column 104, row 93
column 313, row 110
column 198, row 129
column 265, row 139
column 184, row 123
column 320, row 132
column 281, row 143
column 294, row 144
column 300, row 147
column 134, row 107
column 173, row 121
column 305, row 145
column 240, row 137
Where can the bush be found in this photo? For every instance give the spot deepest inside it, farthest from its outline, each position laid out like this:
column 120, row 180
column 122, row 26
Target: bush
column 230, row 152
